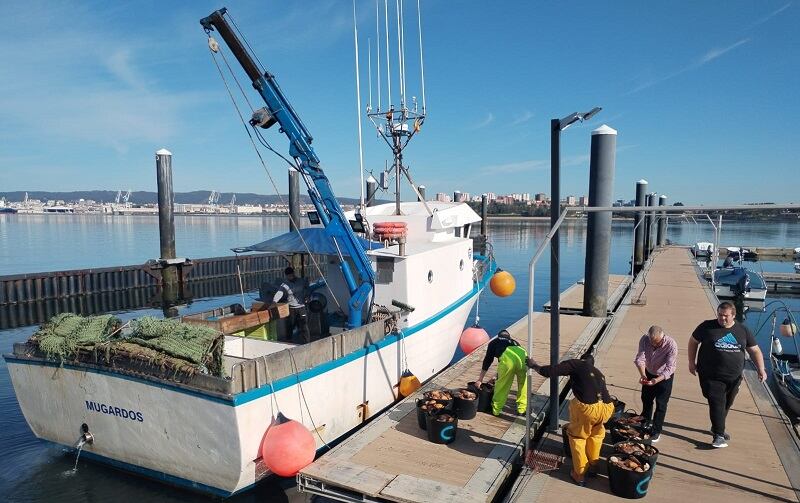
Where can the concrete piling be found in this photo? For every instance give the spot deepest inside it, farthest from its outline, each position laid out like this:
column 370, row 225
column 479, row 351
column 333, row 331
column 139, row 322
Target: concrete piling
column 421, row 190
column 294, row 200
column 638, row 240
column 647, row 229
column 598, row 237
column 662, row 222
column 372, row 189
column 484, row 213
column 166, row 218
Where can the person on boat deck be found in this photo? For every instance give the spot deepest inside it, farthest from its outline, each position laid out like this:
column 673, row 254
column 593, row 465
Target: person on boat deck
column 511, row 363
column 719, row 364
column 656, row 361
column 590, row 408
column 293, row 290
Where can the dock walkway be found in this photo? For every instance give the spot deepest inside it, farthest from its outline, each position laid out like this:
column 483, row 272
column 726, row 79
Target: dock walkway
column 762, row 461
column 391, row 459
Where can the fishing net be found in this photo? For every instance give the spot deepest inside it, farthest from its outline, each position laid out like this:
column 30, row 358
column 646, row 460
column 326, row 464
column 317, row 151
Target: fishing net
column 197, row 344
column 169, row 344
column 65, row 333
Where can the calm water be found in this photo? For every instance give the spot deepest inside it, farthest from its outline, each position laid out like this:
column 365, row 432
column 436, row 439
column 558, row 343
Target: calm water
column 31, row 470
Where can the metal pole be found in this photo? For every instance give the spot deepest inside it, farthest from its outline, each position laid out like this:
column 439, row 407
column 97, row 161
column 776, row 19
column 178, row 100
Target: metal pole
column 484, row 213
column 638, row 237
column 421, row 190
column 531, row 270
column 646, row 236
column 166, row 219
column 598, row 232
column 294, row 200
column 555, row 305
column 662, row 222
column 651, row 238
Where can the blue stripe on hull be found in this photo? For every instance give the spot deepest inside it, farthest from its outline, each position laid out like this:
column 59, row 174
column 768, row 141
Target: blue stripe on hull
column 285, row 382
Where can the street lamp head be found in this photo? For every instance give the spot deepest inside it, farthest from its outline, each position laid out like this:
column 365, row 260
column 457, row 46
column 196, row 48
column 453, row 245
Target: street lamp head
column 575, row 117
column 588, row 115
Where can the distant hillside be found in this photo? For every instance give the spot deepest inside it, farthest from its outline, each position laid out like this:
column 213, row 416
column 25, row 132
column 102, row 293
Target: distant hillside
column 196, row 197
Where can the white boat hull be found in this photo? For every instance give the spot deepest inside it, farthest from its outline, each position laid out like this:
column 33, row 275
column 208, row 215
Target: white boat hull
column 724, row 291
column 209, row 443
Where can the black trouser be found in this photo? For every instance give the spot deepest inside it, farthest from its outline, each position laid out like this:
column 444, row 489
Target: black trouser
column 659, row 393
column 720, row 394
column 299, row 318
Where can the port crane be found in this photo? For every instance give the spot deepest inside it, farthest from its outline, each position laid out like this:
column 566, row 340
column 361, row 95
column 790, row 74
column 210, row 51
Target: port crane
column 279, row 111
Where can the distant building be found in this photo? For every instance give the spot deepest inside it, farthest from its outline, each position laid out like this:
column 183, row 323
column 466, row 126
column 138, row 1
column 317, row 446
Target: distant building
column 491, row 196
column 540, row 197
column 583, row 201
column 442, row 197
column 570, row 200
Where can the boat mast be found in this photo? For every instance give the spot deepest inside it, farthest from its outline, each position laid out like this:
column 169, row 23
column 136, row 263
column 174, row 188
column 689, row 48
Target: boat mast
column 398, row 125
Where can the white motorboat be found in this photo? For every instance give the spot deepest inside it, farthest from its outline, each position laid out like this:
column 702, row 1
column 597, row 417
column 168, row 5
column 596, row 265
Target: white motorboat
column 731, row 282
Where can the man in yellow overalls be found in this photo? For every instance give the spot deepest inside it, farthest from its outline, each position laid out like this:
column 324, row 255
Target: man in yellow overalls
column 511, row 363
column 588, row 410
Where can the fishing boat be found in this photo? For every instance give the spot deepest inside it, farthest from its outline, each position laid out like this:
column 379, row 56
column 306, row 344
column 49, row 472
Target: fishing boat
column 731, row 282
column 398, row 296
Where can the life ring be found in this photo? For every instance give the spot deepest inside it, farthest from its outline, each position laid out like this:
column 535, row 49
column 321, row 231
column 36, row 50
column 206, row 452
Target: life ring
column 389, row 235
column 389, row 225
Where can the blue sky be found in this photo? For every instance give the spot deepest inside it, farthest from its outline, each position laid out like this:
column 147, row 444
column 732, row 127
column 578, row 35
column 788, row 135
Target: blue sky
column 703, row 94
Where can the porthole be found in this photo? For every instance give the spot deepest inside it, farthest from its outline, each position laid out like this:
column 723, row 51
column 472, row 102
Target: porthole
column 461, row 265
column 430, row 276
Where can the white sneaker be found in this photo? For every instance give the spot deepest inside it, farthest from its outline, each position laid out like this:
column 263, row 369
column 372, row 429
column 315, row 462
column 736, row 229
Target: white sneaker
column 655, row 438
column 719, row 442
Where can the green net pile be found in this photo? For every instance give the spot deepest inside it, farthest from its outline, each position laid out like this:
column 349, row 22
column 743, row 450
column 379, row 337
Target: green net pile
column 169, row 343
column 197, row 344
column 65, row 333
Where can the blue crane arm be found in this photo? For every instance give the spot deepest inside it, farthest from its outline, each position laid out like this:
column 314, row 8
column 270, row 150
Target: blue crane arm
column 279, row 110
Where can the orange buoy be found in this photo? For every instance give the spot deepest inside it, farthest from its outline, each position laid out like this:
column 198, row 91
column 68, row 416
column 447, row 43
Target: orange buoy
column 288, row 447
column 408, row 383
column 502, row 283
column 472, row 338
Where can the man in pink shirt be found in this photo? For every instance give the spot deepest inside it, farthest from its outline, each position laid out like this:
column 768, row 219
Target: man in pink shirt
column 656, row 361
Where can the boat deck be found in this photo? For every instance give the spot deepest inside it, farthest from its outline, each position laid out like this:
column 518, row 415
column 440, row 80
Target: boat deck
column 762, row 462
column 391, row 459
column 572, row 298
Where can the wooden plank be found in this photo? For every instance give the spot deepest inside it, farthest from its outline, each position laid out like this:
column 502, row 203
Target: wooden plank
column 346, row 474
column 406, row 489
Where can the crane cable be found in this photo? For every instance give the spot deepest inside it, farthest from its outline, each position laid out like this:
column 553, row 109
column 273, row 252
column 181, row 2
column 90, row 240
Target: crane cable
column 214, row 48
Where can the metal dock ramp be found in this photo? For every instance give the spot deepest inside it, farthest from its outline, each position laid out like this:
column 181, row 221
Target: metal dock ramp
column 391, row 459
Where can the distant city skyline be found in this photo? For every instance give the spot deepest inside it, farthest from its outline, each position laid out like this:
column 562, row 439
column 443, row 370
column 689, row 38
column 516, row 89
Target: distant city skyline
column 704, row 104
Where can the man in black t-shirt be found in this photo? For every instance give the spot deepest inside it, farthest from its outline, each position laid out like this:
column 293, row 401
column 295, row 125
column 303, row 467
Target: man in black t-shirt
column 720, row 363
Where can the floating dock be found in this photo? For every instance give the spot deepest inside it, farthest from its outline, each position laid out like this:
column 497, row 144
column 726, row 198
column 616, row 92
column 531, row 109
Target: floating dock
column 391, row 458
column 762, row 462
column 571, row 300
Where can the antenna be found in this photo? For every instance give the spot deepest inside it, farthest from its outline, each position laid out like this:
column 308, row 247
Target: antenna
column 378, row 47
column 358, row 105
column 388, row 65
column 369, row 75
column 399, row 56
column 421, row 61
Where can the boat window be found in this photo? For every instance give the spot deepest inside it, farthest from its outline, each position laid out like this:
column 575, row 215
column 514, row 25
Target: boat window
column 457, row 231
column 461, row 265
column 467, row 228
column 430, row 276
column 385, row 270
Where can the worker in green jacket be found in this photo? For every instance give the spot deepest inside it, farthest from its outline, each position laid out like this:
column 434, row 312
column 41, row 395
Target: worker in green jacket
column 511, row 363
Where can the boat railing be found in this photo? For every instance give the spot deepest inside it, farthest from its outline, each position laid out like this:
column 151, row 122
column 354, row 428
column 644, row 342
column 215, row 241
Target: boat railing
column 266, row 370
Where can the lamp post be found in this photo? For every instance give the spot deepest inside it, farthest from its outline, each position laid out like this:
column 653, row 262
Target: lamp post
column 556, row 126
